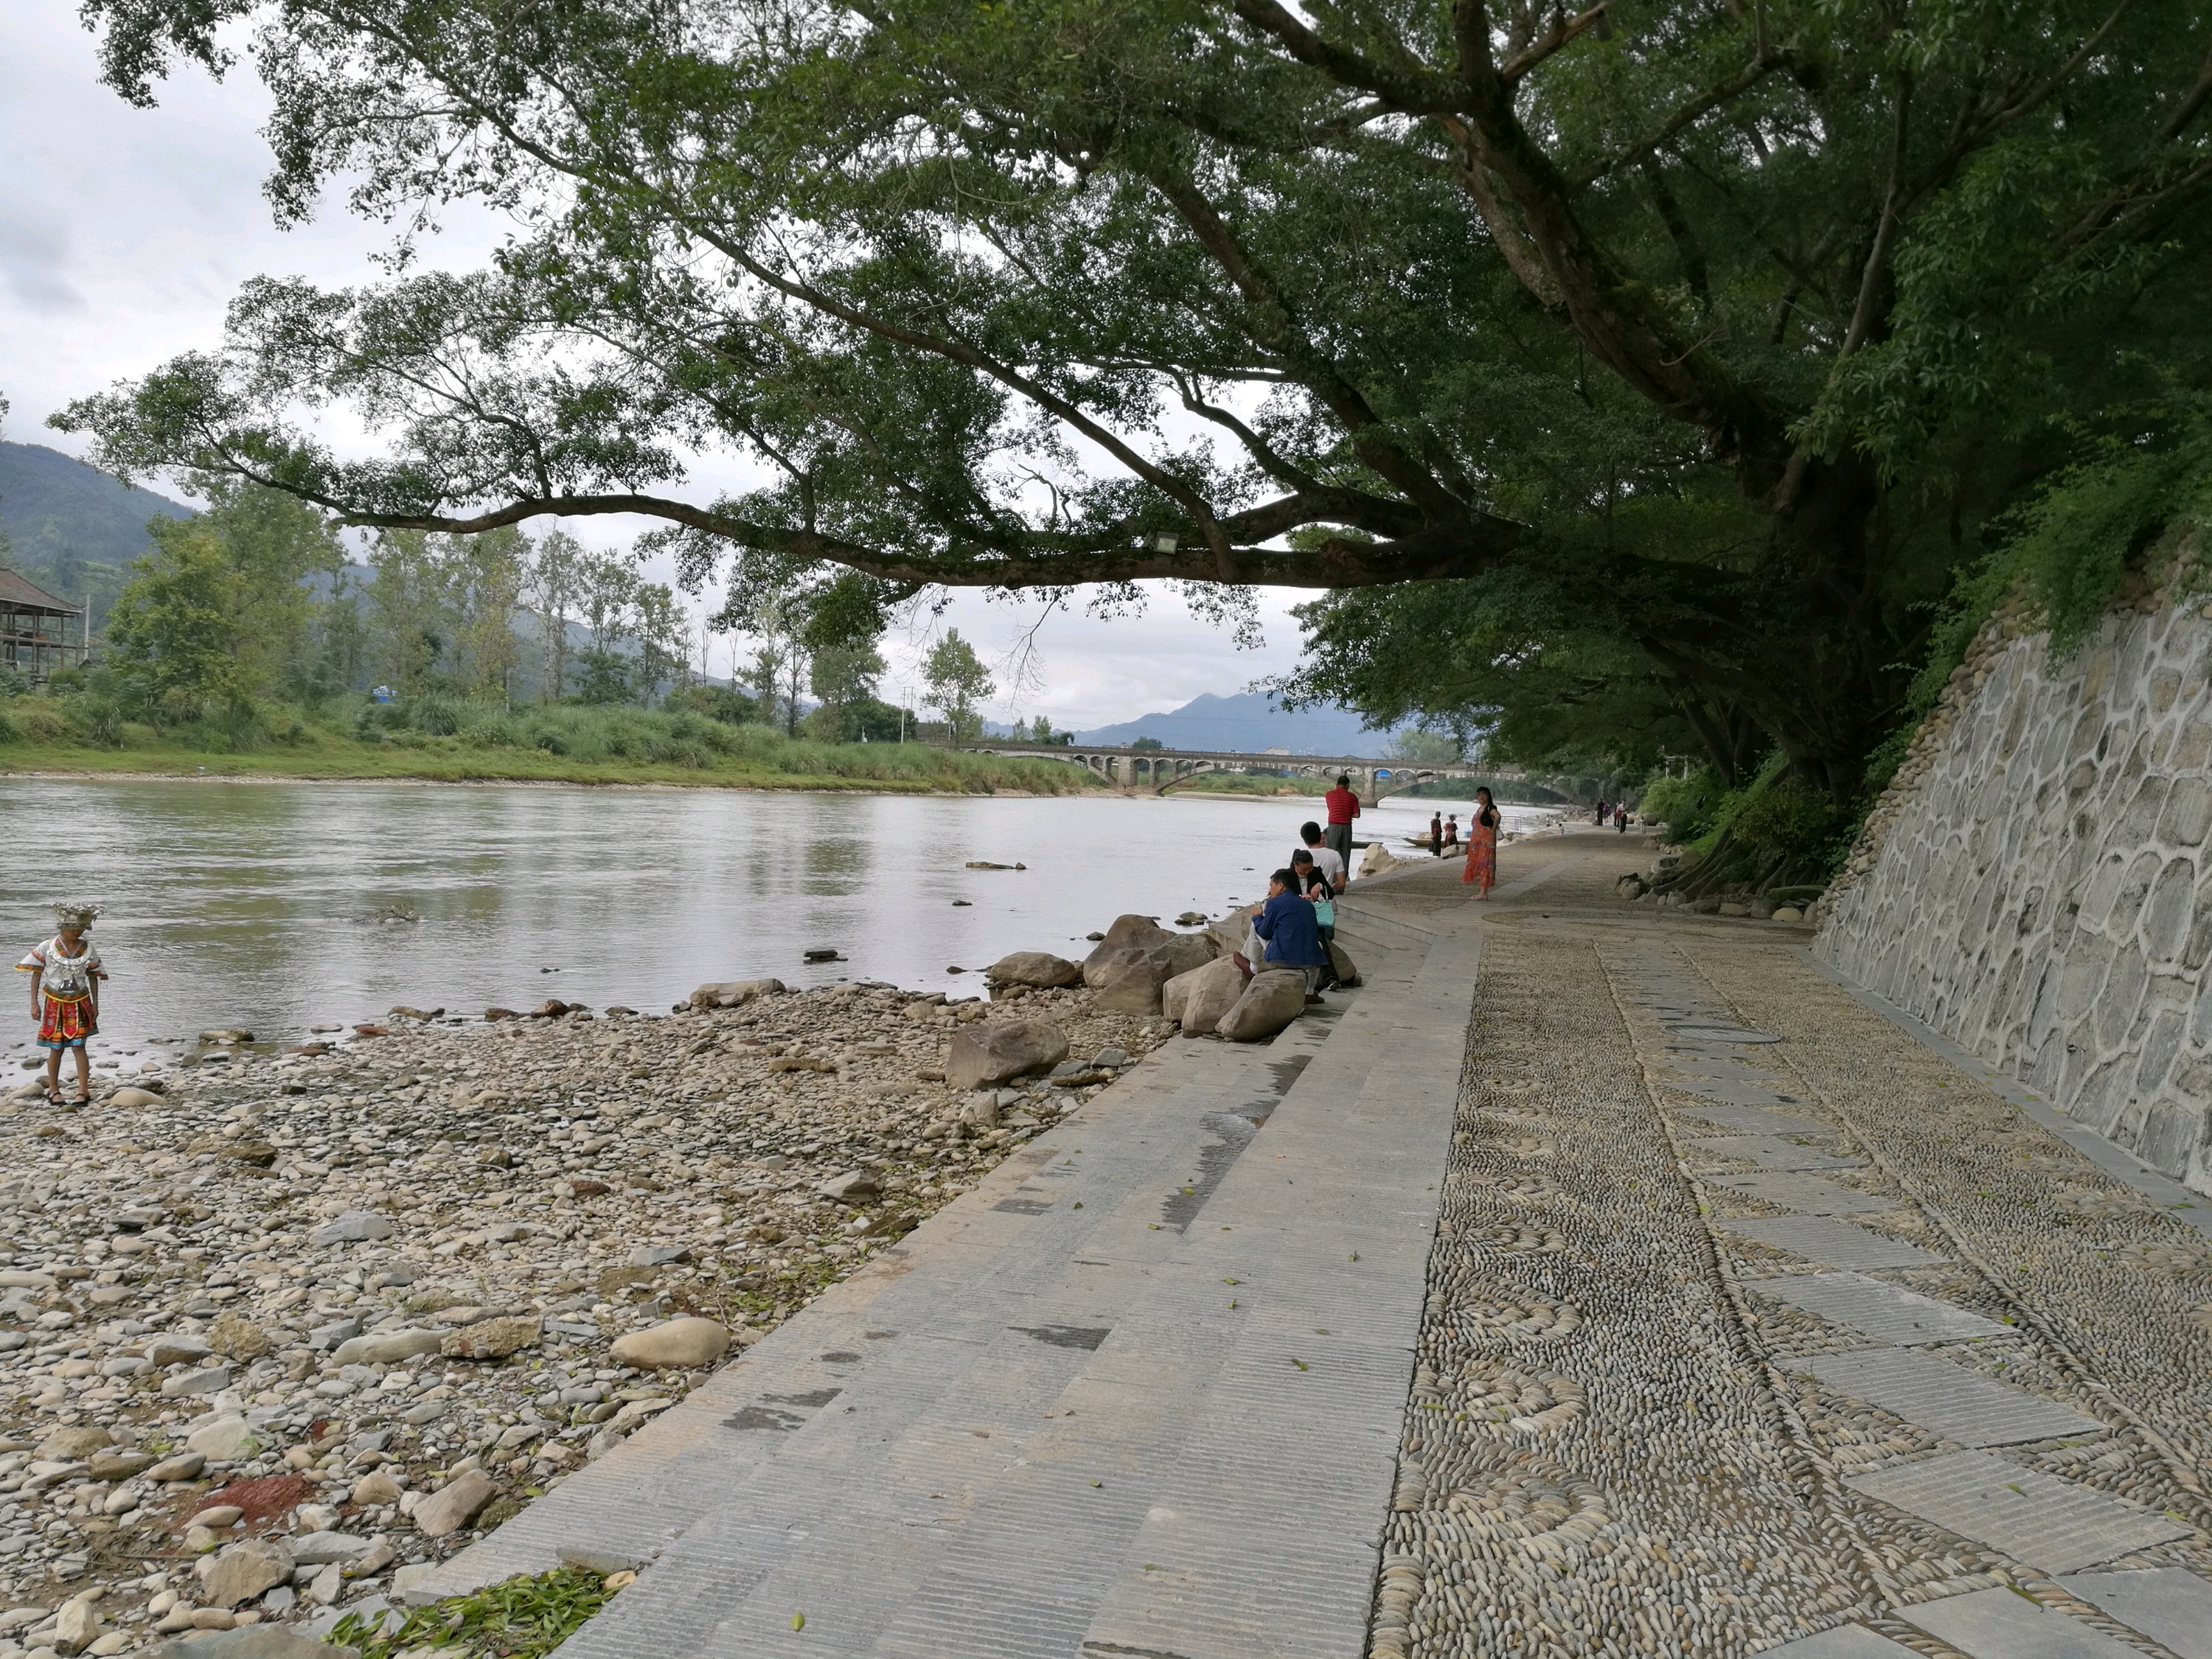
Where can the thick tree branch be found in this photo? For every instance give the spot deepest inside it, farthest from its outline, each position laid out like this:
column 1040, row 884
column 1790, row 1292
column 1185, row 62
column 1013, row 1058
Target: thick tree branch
column 1276, row 326
column 1562, row 31
column 1410, row 90
column 1691, row 112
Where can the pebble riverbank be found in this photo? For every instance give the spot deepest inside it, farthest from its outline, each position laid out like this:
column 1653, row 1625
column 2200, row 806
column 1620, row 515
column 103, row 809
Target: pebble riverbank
column 365, row 1303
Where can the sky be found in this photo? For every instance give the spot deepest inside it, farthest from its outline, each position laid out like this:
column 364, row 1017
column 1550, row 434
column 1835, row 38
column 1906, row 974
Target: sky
column 123, row 233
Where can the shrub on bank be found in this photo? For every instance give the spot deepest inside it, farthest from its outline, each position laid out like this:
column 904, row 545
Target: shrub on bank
column 440, row 735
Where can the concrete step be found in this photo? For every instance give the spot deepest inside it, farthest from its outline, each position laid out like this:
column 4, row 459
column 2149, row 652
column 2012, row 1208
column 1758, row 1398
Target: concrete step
column 1054, row 1415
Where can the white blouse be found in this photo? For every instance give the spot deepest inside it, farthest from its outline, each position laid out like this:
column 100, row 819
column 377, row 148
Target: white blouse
column 60, row 974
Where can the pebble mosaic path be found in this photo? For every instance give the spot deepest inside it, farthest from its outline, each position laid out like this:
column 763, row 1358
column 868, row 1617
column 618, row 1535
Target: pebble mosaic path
column 1591, row 1283
column 1759, row 1325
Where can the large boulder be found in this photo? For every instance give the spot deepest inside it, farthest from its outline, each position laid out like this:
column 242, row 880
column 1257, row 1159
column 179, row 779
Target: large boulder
column 734, row 993
column 1127, row 981
column 492, row 1339
column 1182, row 953
column 387, row 1347
column 999, row 1050
column 1232, row 932
column 680, row 1343
column 1040, row 969
column 1200, row 998
column 1376, row 859
column 454, row 1504
column 1128, row 934
column 1141, row 930
column 1270, row 1002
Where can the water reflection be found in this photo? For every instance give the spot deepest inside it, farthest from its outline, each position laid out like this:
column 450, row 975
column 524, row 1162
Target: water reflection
column 280, row 906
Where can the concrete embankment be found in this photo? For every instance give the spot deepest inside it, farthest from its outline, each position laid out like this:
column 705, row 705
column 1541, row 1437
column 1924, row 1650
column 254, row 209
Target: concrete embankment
column 2035, row 884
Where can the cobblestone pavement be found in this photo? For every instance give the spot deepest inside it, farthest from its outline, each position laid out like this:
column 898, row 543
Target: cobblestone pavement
column 1754, row 1325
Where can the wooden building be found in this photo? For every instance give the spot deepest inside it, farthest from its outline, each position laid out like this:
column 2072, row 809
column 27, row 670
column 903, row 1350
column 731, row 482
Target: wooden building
column 39, row 632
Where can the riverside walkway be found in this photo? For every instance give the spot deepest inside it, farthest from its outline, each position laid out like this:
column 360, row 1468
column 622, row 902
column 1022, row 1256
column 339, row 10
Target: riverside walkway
column 1595, row 1281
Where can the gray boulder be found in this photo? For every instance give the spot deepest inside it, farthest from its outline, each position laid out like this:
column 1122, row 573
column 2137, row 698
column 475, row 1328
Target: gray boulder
column 317, row 1549
column 1183, row 953
column 734, row 993
column 1127, row 981
column 242, row 1571
column 387, row 1347
column 1135, row 930
column 1039, row 968
column 1200, row 998
column 996, row 1051
column 353, row 1227
column 454, row 1504
column 1270, row 1002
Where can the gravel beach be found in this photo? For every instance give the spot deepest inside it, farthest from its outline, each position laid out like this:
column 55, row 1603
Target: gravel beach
column 367, row 1301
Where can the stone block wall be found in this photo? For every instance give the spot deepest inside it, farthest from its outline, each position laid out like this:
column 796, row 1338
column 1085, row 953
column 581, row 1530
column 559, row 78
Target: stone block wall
column 2037, row 883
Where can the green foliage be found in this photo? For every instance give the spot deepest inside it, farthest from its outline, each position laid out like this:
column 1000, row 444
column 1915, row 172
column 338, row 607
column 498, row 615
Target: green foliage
column 177, row 624
column 1675, row 362
column 1493, row 664
column 1688, row 806
column 1421, row 745
column 1148, row 745
column 522, row 1618
column 1772, row 825
column 717, row 702
column 1801, row 828
column 954, row 680
column 440, row 734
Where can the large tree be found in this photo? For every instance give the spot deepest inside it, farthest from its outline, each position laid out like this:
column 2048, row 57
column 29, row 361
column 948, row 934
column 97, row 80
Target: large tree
column 1719, row 332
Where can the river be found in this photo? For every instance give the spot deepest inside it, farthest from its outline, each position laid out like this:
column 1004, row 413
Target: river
column 279, row 906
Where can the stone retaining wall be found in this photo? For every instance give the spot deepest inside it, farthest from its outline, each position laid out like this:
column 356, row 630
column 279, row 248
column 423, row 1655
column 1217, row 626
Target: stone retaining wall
column 2036, row 883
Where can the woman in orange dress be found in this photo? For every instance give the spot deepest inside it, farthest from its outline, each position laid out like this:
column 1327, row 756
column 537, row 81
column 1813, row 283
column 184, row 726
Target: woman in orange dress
column 1482, row 845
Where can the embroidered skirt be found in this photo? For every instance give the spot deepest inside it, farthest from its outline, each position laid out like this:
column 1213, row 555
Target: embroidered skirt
column 66, row 1021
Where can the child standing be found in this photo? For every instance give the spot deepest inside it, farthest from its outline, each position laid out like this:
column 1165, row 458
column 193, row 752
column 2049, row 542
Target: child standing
column 65, row 974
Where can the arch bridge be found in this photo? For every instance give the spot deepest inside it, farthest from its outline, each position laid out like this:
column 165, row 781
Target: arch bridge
column 1158, row 771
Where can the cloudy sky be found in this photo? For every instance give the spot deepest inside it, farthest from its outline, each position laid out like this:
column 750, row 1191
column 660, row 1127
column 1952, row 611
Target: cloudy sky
column 123, row 234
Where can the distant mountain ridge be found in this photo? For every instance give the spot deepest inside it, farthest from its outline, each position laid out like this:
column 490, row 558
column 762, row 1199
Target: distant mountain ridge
column 69, row 527
column 1249, row 723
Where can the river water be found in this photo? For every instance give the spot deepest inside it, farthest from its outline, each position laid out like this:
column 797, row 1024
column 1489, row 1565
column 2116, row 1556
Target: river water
column 278, row 907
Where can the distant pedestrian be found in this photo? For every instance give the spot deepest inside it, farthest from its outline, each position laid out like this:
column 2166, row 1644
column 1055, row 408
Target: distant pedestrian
column 1621, row 820
column 1343, row 806
column 1327, row 860
column 65, row 974
column 1482, row 845
column 1285, row 923
column 1452, row 831
column 1603, row 814
column 1435, row 835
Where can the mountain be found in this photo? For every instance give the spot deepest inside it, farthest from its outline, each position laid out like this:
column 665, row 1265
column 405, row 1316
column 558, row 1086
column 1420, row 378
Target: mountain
column 70, row 528
column 1249, row 723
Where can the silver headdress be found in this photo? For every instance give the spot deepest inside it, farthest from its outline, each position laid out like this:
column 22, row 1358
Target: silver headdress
column 69, row 914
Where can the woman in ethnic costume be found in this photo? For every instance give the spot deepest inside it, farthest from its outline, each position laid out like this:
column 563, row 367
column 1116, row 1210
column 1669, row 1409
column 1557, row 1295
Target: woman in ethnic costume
column 1482, row 845
column 65, row 974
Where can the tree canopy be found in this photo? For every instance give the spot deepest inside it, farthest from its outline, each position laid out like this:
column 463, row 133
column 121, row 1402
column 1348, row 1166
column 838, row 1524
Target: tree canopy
column 1671, row 358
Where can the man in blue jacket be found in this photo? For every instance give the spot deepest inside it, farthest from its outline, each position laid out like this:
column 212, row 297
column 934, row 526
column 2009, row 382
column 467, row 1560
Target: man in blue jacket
column 1286, row 923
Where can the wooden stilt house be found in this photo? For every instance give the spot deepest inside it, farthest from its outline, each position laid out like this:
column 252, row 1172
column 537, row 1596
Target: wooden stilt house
column 39, row 632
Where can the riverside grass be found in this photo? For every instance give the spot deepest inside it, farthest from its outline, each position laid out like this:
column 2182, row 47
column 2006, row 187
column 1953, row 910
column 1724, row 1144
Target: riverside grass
column 456, row 740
